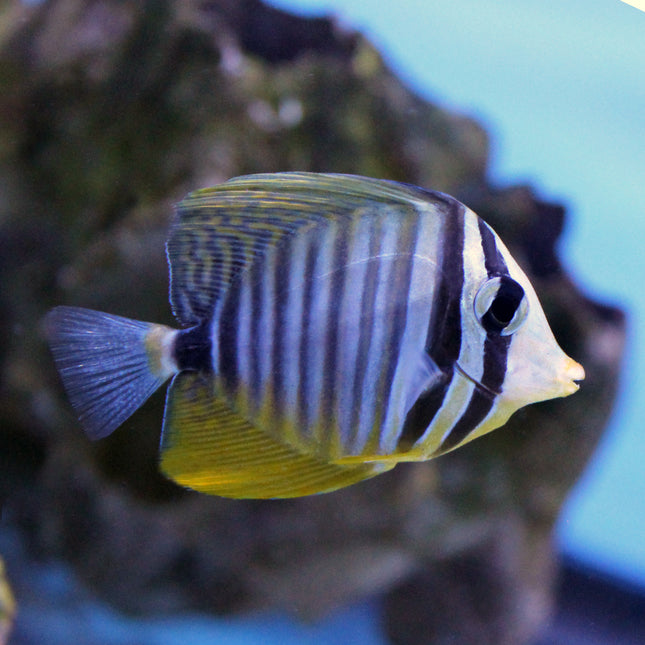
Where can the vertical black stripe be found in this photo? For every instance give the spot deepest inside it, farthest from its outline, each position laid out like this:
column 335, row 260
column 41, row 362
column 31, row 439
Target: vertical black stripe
column 399, row 293
column 304, row 352
column 192, row 350
column 478, row 407
column 493, row 259
column 281, row 271
column 227, row 339
column 495, row 354
column 332, row 324
column 495, row 358
column 420, row 415
column 443, row 341
column 495, row 346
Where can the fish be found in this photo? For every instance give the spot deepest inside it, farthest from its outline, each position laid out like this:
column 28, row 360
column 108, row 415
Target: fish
column 330, row 327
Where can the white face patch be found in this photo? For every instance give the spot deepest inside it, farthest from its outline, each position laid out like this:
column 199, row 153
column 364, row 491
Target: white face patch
column 473, row 336
column 536, row 368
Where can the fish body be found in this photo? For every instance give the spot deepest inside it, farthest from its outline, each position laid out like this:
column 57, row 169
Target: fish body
column 331, row 327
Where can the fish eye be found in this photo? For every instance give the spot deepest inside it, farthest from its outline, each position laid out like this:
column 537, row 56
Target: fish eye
column 501, row 306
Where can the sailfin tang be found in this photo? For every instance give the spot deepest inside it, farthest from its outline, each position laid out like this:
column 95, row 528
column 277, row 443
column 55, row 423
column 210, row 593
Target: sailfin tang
column 206, row 446
column 109, row 365
column 218, row 232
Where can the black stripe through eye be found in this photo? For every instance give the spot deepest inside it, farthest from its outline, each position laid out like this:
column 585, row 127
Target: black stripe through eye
column 500, row 287
column 504, row 306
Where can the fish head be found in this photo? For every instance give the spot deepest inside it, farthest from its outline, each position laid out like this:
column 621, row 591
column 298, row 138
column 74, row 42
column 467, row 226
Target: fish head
column 537, row 369
column 508, row 349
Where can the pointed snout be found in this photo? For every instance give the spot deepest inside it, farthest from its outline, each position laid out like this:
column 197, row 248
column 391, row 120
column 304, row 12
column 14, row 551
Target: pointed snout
column 571, row 373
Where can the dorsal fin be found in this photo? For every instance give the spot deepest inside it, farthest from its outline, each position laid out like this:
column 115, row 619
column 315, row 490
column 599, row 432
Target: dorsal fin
column 220, row 231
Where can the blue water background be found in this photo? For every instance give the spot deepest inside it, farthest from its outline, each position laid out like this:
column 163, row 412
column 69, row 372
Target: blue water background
column 561, row 88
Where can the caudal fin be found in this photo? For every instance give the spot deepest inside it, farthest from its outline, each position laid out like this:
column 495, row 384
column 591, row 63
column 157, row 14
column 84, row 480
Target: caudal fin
column 109, row 365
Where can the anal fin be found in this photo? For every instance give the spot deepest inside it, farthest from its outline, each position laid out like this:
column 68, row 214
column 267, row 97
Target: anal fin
column 208, row 447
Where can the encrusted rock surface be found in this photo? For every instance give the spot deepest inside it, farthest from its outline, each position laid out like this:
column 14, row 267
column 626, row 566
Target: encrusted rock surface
column 110, row 111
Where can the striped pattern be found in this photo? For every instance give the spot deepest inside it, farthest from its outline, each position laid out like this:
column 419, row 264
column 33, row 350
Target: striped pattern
column 220, row 231
column 474, row 368
column 494, row 355
column 332, row 326
column 311, row 340
column 209, row 448
column 443, row 340
column 217, row 235
column 341, row 331
column 483, row 361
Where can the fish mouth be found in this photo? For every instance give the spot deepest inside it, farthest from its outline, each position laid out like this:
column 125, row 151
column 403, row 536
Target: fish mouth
column 478, row 384
column 571, row 376
column 565, row 383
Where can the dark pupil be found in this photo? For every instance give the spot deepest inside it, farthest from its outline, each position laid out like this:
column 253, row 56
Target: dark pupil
column 503, row 308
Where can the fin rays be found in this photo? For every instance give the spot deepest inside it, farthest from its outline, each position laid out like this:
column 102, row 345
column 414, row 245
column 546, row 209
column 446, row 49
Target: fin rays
column 208, row 447
column 220, row 231
column 104, row 365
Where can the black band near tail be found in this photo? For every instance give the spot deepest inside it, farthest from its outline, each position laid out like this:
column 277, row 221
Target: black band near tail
column 193, row 349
